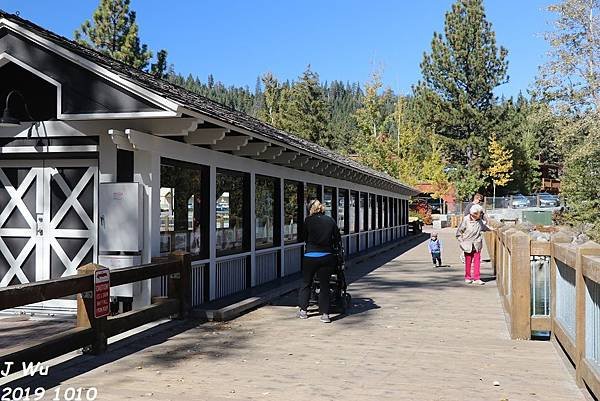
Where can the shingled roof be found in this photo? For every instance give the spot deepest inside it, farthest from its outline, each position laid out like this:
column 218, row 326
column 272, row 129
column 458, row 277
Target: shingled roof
column 201, row 104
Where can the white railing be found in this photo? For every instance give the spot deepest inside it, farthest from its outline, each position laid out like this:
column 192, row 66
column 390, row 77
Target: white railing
column 364, row 238
column 565, row 297
column 592, row 322
column 199, row 283
column 292, row 258
column 352, row 244
column 231, row 275
column 266, row 265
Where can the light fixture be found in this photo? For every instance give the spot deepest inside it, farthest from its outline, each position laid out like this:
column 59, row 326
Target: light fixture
column 9, row 119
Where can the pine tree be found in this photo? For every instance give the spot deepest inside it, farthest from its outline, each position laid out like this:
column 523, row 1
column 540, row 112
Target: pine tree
column 456, row 96
column 114, row 32
column 159, row 69
column 370, row 117
column 501, row 163
column 307, row 113
column 570, row 82
column 571, row 77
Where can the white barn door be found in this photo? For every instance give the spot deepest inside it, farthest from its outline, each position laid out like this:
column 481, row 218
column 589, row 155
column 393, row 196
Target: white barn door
column 48, row 221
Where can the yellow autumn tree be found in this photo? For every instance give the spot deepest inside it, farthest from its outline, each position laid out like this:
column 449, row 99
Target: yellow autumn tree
column 501, row 164
column 433, row 171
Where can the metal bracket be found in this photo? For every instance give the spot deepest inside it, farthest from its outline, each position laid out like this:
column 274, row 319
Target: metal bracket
column 175, row 275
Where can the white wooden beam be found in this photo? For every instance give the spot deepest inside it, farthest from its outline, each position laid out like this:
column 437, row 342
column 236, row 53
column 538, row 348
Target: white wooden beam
column 206, row 136
column 252, row 149
column 271, row 153
column 231, row 143
column 120, row 139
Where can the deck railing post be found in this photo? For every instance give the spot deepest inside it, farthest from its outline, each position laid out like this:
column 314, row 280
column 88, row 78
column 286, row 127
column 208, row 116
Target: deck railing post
column 180, row 284
column 85, row 315
column 520, row 286
column 589, row 248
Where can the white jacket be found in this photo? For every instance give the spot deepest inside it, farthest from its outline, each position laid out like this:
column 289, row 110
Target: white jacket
column 469, row 234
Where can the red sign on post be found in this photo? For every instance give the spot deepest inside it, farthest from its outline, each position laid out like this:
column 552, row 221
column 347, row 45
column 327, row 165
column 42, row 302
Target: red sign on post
column 101, row 293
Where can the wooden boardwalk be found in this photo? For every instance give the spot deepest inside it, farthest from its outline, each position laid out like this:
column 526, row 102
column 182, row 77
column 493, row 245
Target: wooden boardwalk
column 415, row 333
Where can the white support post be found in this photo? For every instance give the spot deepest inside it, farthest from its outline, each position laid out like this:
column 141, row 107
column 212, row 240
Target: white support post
column 212, row 229
column 252, row 229
column 146, row 168
column 361, row 215
column 282, row 225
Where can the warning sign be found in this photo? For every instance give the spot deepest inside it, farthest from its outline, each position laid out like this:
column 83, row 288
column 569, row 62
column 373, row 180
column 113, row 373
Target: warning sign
column 101, row 293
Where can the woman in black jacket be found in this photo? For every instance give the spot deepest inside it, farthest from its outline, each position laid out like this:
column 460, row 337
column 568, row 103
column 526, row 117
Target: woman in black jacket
column 320, row 233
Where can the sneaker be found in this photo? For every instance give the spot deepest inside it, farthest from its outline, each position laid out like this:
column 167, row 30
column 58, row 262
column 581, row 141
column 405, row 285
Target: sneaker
column 478, row 282
column 435, row 266
column 325, row 318
column 468, row 281
column 302, row 314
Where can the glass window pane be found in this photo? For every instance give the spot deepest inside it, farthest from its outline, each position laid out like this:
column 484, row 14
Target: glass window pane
column 371, row 212
column 231, row 207
column 384, row 211
column 328, row 197
column 181, row 222
column 362, row 217
column 352, row 211
column 311, row 192
column 265, row 210
column 292, row 211
column 342, row 195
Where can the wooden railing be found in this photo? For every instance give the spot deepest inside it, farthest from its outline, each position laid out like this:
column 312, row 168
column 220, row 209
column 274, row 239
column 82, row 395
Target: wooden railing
column 574, row 294
column 90, row 333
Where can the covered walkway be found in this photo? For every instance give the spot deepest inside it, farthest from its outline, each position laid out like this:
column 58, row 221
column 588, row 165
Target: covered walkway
column 414, row 333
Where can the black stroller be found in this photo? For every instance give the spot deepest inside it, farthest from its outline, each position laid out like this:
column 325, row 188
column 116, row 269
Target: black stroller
column 339, row 298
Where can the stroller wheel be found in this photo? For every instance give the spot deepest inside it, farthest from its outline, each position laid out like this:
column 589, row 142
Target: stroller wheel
column 346, row 301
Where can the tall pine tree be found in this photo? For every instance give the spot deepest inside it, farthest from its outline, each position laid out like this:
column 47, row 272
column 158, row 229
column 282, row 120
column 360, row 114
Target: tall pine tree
column 114, row 32
column 307, row 112
column 456, row 96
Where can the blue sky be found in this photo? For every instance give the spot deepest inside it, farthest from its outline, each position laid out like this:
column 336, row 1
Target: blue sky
column 238, row 40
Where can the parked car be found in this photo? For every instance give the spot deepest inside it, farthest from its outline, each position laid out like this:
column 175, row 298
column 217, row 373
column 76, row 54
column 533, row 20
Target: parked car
column 548, row 200
column 519, row 201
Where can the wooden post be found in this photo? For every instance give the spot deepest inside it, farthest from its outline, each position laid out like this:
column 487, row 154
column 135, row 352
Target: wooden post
column 180, row 284
column 85, row 315
column 520, row 286
column 589, row 248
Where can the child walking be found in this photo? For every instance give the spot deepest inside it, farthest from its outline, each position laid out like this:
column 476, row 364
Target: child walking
column 435, row 248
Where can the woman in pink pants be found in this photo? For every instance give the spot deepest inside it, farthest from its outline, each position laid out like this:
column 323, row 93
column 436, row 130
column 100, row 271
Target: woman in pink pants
column 471, row 242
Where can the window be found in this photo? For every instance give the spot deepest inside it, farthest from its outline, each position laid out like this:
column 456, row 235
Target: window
column 311, row 192
column 292, row 193
column 384, row 211
column 378, row 209
column 363, row 216
column 342, row 202
column 232, row 211
column 372, row 212
column 329, row 202
column 352, row 211
column 183, row 215
column 267, row 211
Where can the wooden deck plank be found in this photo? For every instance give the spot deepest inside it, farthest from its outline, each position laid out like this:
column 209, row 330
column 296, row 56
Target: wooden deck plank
column 414, row 333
